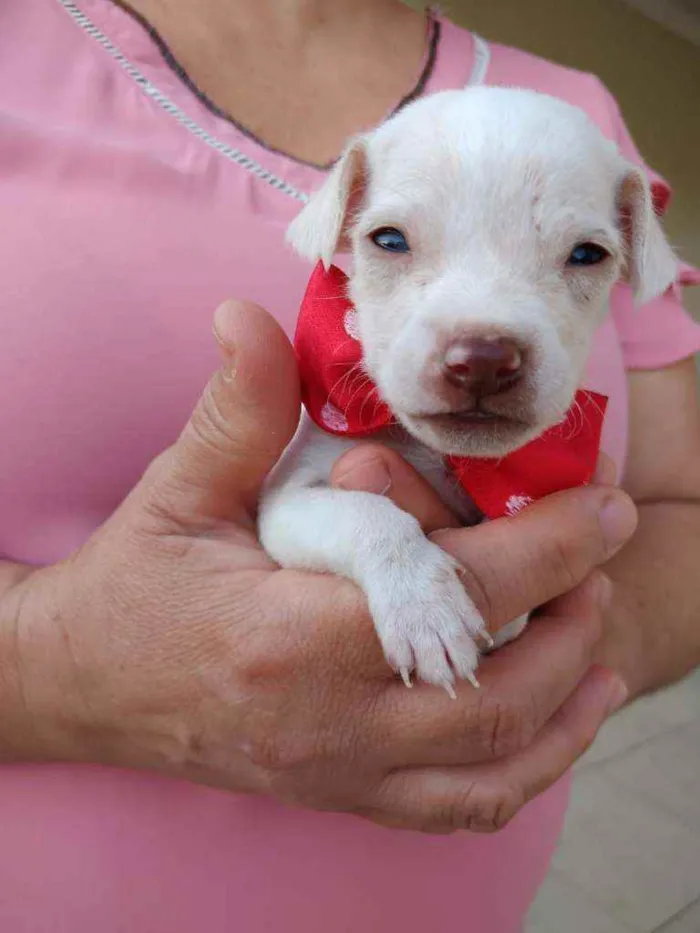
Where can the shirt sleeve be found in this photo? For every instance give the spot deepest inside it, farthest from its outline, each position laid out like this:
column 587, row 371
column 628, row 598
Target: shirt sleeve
column 660, row 332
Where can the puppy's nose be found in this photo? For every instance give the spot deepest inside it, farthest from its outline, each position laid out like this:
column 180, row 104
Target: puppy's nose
column 483, row 365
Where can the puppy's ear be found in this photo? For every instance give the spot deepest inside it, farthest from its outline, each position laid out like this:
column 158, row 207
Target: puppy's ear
column 651, row 263
column 321, row 229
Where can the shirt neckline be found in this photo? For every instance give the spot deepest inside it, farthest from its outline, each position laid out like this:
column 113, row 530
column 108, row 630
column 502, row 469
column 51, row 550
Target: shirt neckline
column 456, row 63
column 427, row 64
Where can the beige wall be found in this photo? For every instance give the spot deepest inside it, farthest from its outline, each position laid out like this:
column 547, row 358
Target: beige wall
column 654, row 75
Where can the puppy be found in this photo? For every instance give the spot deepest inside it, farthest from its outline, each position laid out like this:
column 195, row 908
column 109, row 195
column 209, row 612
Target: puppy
column 487, row 227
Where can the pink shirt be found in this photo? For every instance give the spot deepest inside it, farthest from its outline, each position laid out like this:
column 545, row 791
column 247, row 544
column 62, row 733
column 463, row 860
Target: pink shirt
column 130, row 210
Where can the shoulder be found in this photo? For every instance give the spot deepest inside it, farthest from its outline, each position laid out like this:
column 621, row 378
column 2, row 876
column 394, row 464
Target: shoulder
column 512, row 67
column 517, row 68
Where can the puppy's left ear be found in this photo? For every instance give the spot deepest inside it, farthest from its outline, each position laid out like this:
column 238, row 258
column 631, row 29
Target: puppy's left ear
column 651, row 263
column 321, row 229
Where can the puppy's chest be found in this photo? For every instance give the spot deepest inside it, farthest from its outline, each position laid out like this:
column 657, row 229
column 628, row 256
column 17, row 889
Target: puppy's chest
column 431, row 465
column 310, row 457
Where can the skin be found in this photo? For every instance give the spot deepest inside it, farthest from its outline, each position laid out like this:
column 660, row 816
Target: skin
column 242, row 53
column 170, row 642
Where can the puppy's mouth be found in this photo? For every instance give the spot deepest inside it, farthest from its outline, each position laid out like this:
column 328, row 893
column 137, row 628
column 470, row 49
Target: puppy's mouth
column 469, row 417
column 472, row 431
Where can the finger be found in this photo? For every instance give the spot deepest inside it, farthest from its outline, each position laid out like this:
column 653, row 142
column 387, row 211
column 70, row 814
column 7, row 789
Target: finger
column 378, row 469
column 513, row 565
column 242, row 423
column 570, row 732
column 523, row 684
column 484, row 798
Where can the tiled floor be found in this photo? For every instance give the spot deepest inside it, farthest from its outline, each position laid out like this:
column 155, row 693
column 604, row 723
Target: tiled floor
column 629, row 859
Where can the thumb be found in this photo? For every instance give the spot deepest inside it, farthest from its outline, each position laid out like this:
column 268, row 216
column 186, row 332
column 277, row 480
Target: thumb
column 243, row 421
column 512, row 565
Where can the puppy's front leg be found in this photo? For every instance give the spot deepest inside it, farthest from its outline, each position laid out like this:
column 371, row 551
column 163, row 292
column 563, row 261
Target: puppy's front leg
column 422, row 614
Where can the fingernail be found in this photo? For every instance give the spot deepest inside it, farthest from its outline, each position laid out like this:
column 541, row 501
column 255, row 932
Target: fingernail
column 369, row 476
column 618, row 696
column 618, row 519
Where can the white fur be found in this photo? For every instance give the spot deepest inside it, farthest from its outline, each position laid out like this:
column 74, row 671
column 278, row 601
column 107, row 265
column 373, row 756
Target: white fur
column 493, row 188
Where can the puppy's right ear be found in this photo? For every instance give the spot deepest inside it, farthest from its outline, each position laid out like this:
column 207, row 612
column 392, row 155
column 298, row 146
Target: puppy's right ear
column 321, row 229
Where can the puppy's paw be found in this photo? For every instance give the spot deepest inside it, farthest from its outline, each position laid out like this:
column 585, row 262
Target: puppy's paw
column 424, row 618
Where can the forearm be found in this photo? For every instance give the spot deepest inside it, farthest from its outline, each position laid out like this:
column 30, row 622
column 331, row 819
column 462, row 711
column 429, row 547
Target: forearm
column 28, row 663
column 653, row 632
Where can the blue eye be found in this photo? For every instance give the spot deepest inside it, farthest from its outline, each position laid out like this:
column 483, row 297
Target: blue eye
column 390, row 239
column 587, row 254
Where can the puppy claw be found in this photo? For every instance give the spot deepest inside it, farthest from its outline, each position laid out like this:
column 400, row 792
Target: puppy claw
column 450, row 690
column 486, row 638
column 425, row 620
column 473, row 681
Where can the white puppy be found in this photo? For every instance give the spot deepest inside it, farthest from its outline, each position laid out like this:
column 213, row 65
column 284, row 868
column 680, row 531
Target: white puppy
column 487, row 228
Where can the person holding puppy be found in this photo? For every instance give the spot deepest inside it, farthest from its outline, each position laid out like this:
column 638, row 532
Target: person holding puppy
column 192, row 737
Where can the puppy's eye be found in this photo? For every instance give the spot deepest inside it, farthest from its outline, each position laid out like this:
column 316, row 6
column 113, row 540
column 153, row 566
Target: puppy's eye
column 587, row 254
column 390, row 239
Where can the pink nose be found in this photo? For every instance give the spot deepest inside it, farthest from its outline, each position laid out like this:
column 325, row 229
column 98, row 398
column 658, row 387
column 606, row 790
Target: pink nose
column 483, row 365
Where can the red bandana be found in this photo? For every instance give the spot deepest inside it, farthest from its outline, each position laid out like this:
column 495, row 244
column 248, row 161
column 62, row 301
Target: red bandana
column 342, row 400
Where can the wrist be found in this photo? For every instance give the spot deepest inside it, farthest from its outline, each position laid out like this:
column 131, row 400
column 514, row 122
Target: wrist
column 635, row 645
column 35, row 685
column 11, row 575
column 620, row 650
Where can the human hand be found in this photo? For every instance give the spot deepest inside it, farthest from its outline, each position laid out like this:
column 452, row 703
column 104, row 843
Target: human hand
column 171, row 642
column 374, row 468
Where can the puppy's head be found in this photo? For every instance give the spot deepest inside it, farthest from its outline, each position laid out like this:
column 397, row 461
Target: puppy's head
column 487, row 228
